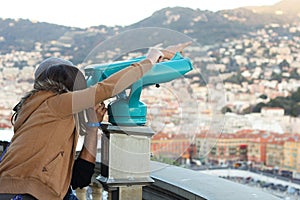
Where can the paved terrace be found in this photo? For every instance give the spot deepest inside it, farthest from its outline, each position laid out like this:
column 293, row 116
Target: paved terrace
column 173, row 182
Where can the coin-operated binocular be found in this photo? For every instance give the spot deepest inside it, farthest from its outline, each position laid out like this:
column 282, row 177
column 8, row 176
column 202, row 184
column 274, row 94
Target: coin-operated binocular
column 125, row 145
column 128, row 110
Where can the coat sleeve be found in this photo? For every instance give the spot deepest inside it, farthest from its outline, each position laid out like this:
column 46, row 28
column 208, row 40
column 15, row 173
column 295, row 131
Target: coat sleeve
column 74, row 102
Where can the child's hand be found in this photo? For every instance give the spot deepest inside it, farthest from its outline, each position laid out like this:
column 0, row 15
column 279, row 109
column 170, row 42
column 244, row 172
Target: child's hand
column 170, row 51
column 100, row 110
column 154, row 55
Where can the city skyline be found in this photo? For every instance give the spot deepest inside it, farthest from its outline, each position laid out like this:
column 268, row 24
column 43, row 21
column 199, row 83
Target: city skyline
column 94, row 13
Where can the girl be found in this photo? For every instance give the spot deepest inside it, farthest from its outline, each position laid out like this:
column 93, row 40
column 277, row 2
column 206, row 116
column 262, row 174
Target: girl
column 39, row 161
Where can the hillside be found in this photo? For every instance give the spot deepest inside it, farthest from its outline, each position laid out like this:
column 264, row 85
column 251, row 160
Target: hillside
column 21, row 34
column 290, row 7
column 205, row 27
column 285, row 10
column 25, row 35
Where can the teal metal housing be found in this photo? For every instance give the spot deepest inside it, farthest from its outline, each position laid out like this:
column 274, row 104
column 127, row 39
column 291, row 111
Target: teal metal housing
column 127, row 109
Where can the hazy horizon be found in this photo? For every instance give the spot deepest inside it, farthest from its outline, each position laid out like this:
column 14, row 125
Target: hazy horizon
column 94, row 13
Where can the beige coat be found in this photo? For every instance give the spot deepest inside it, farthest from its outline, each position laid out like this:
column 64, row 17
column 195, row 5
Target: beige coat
column 40, row 158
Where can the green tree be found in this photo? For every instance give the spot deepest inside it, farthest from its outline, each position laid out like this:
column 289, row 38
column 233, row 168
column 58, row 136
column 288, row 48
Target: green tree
column 295, row 112
column 237, row 79
column 263, row 96
column 296, row 95
column 276, row 76
column 284, row 63
column 257, row 107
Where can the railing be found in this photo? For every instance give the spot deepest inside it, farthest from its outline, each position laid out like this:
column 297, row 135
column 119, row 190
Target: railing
column 176, row 183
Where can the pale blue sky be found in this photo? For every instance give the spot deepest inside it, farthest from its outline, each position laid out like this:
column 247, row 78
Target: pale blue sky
column 107, row 12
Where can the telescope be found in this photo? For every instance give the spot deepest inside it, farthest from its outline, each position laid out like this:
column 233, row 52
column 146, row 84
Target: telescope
column 126, row 140
column 128, row 109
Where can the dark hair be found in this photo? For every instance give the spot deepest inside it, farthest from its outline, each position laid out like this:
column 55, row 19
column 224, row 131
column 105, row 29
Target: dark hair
column 58, row 79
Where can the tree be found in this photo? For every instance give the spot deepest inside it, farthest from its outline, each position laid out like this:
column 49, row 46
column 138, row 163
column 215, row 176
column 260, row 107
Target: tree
column 276, row 76
column 257, row 107
column 295, row 112
column 294, row 74
column 263, row 96
column 237, row 79
column 296, row 95
column 283, row 64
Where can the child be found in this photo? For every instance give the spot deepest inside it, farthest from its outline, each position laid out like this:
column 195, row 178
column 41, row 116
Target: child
column 39, row 161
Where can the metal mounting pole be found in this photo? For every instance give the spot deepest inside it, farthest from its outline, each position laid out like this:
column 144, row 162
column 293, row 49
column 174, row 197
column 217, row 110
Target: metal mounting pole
column 125, row 161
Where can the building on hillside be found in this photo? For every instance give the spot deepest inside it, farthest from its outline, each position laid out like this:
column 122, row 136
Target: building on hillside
column 274, row 154
column 170, row 146
column 258, row 147
column 222, row 149
column 291, row 155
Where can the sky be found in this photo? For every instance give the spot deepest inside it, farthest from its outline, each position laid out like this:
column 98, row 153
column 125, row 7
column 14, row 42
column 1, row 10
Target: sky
column 88, row 13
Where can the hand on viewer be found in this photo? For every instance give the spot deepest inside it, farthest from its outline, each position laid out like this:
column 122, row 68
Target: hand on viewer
column 100, row 110
column 170, row 51
column 97, row 113
column 154, row 55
